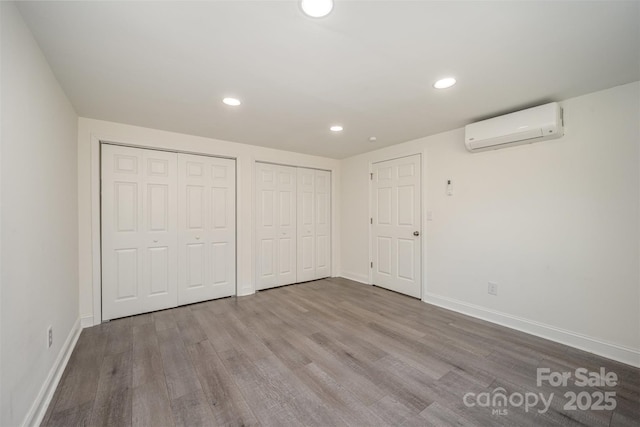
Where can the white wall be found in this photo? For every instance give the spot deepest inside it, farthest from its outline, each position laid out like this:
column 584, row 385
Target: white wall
column 90, row 132
column 38, row 225
column 555, row 224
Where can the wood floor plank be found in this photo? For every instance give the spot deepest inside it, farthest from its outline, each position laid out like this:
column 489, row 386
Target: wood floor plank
column 147, row 360
column 190, row 329
column 144, row 332
column 386, row 382
column 286, row 352
column 361, row 386
column 621, row 420
column 164, row 320
column 391, row 411
column 217, row 336
column 180, row 375
column 244, row 339
column 314, row 412
column 323, row 353
column 337, row 397
column 79, row 385
column 151, row 405
column 192, row 410
column 437, row 415
column 72, row 417
column 112, row 405
column 227, row 403
column 142, row 319
column 120, row 336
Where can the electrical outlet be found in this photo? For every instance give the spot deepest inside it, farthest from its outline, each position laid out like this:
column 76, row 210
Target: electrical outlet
column 50, row 335
column 493, row 288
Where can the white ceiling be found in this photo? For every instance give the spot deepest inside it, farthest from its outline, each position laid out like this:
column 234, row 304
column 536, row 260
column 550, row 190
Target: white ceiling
column 369, row 65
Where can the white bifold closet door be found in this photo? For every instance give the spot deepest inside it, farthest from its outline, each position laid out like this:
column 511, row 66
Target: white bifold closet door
column 168, row 235
column 206, row 228
column 139, row 231
column 293, row 226
column 275, row 225
column 314, row 228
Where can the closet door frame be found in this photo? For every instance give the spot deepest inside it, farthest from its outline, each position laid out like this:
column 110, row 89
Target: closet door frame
column 96, row 216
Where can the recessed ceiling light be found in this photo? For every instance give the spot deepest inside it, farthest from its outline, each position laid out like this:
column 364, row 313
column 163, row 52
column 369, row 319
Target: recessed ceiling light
column 232, row 101
column 372, row 139
column 444, row 83
column 316, row 8
column 336, row 128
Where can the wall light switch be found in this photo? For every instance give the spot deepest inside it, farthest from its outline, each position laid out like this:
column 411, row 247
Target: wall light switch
column 429, row 215
column 493, row 288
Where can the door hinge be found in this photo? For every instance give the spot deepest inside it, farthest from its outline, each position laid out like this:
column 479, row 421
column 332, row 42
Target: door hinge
column 371, row 264
column 371, row 174
column 370, row 220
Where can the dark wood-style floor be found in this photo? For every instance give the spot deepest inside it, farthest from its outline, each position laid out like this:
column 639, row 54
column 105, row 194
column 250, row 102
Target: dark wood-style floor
column 324, row 353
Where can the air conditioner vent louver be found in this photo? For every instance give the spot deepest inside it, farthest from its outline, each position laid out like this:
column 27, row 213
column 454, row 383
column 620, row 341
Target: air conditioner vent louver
column 522, row 127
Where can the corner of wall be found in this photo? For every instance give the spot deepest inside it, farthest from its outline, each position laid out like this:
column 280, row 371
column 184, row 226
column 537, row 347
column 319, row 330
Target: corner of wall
column 356, row 277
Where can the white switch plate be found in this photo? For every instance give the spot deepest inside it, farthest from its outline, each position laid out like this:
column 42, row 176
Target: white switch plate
column 493, row 288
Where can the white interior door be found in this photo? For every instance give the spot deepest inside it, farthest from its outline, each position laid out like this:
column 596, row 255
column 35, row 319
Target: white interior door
column 139, row 263
column 396, row 208
column 207, row 228
column 323, row 224
column 306, row 230
column 275, row 225
column 314, row 225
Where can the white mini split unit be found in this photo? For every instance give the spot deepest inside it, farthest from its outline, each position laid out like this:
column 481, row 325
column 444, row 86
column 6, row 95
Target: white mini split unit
column 522, row 127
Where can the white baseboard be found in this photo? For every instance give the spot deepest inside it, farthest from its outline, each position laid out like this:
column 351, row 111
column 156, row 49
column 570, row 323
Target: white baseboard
column 86, row 321
column 616, row 352
column 362, row 278
column 39, row 407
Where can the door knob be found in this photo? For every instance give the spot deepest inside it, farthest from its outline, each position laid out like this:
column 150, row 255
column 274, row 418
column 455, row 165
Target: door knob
column 416, row 233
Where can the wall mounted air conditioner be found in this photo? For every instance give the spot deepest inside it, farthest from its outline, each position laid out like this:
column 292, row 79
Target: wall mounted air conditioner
column 522, row 127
